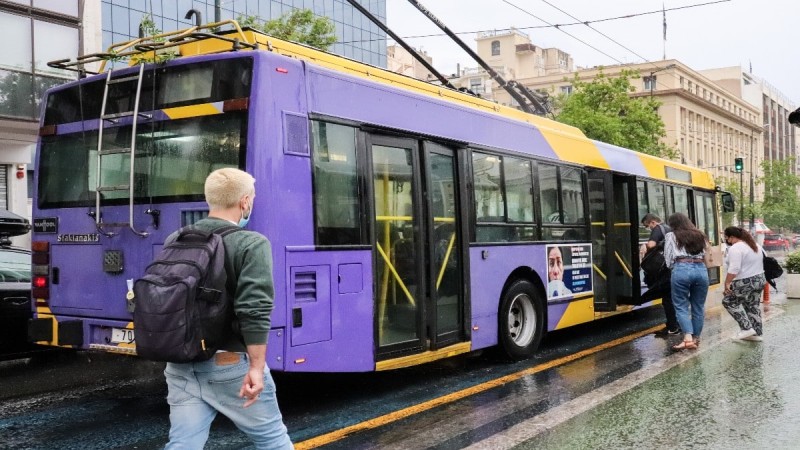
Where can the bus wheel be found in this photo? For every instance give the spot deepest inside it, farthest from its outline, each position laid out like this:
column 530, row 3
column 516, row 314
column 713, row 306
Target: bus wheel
column 521, row 321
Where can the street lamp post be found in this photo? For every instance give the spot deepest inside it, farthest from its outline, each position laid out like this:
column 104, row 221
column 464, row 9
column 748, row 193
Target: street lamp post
column 752, row 184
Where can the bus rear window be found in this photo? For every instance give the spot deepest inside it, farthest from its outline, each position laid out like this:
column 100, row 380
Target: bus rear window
column 177, row 85
column 173, row 159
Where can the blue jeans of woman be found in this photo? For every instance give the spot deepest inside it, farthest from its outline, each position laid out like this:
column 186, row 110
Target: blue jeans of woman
column 689, row 289
column 197, row 391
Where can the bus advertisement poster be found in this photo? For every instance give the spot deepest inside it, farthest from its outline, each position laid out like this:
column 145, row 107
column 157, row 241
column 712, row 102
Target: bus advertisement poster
column 569, row 270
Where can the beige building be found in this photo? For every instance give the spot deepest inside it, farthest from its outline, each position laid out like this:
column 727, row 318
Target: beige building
column 707, row 124
column 780, row 138
column 512, row 55
column 514, row 50
column 399, row 60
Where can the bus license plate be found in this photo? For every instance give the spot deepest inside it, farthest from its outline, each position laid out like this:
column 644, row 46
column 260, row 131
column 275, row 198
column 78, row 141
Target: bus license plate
column 120, row 335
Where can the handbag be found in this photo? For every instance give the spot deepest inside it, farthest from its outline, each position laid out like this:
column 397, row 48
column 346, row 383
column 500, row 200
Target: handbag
column 712, row 256
column 772, row 269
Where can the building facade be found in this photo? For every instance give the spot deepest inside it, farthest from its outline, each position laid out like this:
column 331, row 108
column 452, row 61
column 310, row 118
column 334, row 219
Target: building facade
column 513, row 56
column 357, row 37
column 399, row 60
column 33, row 32
column 708, row 125
column 779, row 140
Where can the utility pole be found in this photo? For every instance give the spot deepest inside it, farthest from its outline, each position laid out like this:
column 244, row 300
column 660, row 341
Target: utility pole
column 652, row 78
column 741, row 196
column 752, row 184
column 217, row 15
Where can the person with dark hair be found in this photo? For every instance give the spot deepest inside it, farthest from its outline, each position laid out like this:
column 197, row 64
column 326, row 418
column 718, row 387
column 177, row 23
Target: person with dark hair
column 744, row 283
column 658, row 284
column 684, row 248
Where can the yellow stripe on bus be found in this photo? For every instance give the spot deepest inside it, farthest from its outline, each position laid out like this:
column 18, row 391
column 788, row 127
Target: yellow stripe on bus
column 205, row 109
column 578, row 311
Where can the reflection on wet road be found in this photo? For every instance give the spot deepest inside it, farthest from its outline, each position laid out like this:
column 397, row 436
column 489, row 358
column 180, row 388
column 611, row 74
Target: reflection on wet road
column 576, row 387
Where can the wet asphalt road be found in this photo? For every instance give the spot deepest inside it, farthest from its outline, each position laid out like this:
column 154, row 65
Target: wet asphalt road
column 81, row 400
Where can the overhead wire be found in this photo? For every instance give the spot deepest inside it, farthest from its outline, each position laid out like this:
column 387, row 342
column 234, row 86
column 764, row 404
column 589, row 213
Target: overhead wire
column 610, row 38
column 559, row 25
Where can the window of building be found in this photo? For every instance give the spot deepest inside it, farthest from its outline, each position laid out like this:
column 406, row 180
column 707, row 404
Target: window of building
column 495, row 48
column 649, row 82
column 566, row 89
column 67, row 7
column 23, row 66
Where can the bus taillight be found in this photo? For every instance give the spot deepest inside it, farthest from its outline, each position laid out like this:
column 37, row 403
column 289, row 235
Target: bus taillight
column 40, row 259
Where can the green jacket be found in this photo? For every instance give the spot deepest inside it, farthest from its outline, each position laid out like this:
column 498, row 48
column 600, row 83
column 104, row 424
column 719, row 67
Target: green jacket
column 248, row 261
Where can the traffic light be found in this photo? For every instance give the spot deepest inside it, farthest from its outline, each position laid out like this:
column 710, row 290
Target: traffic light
column 738, row 164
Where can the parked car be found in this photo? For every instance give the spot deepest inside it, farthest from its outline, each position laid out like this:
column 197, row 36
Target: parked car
column 15, row 283
column 775, row 241
column 15, row 296
column 796, row 240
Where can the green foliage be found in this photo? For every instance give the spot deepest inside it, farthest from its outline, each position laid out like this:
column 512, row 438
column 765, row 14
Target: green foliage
column 603, row 110
column 793, row 262
column 159, row 56
column 300, row 25
column 733, row 186
column 781, row 205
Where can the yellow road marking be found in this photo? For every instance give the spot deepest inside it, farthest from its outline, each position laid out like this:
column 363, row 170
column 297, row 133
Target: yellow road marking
column 458, row 395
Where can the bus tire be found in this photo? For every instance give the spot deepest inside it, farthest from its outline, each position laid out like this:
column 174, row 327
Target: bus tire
column 520, row 321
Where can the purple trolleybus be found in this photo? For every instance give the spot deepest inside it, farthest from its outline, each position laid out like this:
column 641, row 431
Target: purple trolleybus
column 408, row 222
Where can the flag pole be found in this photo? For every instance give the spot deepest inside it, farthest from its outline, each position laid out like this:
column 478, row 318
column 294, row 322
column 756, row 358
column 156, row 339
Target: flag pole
column 664, row 15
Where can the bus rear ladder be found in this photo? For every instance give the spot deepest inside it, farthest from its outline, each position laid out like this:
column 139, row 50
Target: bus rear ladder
column 130, row 150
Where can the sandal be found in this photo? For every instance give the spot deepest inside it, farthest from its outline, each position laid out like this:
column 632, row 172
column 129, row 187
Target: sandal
column 685, row 345
column 697, row 342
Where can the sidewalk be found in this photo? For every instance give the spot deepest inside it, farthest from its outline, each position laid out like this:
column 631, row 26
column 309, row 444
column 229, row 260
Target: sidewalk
column 728, row 394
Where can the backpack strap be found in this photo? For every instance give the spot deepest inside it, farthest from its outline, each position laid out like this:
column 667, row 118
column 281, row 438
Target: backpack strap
column 226, row 230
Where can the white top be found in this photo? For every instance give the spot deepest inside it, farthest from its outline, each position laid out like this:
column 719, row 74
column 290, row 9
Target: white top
column 672, row 251
column 743, row 261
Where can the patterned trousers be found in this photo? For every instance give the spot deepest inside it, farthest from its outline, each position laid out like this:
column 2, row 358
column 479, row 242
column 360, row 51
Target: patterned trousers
column 743, row 304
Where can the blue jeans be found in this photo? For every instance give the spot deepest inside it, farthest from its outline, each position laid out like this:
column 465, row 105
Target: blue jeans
column 197, row 391
column 689, row 289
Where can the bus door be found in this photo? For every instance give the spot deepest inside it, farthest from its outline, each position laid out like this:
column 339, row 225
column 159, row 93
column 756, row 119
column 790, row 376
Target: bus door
column 614, row 231
column 418, row 268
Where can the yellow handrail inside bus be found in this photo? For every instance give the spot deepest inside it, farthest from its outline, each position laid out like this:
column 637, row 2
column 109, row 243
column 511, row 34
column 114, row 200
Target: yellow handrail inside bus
column 624, row 265
column 391, row 268
column 599, row 272
column 446, row 258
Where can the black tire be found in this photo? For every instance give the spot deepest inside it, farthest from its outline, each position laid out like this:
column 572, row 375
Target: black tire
column 520, row 321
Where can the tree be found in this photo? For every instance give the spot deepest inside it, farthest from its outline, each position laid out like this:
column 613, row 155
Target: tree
column 781, row 207
column 300, row 25
column 603, row 110
column 733, row 186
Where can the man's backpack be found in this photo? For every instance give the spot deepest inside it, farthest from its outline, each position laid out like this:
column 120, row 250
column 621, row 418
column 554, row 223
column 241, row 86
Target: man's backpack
column 183, row 310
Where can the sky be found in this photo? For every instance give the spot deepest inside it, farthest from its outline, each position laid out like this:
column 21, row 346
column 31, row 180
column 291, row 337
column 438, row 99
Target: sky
column 723, row 34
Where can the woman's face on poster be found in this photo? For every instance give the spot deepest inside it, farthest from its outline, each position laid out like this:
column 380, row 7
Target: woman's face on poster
column 555, row 264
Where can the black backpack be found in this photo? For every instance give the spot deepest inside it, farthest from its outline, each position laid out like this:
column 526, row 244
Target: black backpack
column 772, row 269
column 183, row 310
